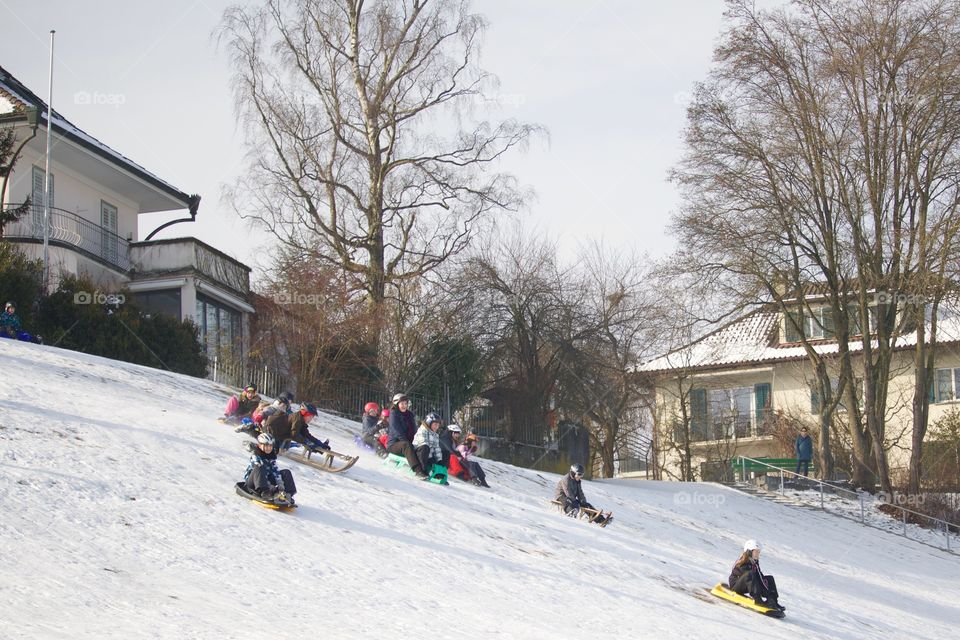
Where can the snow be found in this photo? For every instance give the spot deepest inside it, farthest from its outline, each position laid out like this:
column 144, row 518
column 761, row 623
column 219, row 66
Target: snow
column 118, row 520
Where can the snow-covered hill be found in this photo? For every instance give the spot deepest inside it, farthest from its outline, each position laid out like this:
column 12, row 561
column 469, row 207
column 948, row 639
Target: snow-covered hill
column 118, row 520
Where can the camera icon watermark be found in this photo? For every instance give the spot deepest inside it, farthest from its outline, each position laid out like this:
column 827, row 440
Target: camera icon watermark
column 98, row 98
column 898, row 299
column 699, row 499
column 99, row 297
column 901, row 499
column 286, row 298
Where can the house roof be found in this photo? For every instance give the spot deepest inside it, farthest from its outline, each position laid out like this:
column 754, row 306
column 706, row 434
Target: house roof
column 20, row 99
column 753, row 340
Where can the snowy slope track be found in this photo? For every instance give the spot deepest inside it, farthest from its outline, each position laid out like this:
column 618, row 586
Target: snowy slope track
column 118, row 519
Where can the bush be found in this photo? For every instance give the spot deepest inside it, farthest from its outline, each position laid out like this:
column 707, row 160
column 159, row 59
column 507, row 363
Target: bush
column 120, row 330
column 21, row 282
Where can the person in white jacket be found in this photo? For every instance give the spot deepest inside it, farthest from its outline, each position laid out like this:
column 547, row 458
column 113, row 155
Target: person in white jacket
column 426, row 443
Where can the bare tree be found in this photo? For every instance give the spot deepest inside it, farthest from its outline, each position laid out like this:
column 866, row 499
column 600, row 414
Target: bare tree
column 826, row 139
column 609, row 334
column 361, row 152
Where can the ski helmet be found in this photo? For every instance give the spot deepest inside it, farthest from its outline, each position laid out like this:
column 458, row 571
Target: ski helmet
column 371, row 406
column 400, row 397
column 431, row 418
column 251, row 387
column 10, row 304
column 265, row 438
column 453, row 428
column 385, row 413
column 307, row 409
column 286, row 397
column 750, row 545
column 576, row 469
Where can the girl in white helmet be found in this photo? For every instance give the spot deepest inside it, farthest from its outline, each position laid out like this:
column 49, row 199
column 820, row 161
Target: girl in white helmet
column 747, row 578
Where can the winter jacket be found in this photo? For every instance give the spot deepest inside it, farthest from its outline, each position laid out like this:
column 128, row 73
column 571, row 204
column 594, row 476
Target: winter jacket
column 458, row 468
column 804, row 448
column 245, row 405
column 403, row 426
column 426, row 436
column 446, row 443
column 748, row 566
column 269, row 463
column 9, row 322
column 465, row 451
column 270, row 410
column 569, row 487
column 371, row 425
column 284, row 426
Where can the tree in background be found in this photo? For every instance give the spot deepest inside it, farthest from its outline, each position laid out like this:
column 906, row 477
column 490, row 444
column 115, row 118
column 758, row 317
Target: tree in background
column 823, row 149
column 362, row 152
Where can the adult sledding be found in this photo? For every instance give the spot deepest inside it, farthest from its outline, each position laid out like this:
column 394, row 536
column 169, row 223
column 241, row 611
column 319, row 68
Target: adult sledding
column 570, row 499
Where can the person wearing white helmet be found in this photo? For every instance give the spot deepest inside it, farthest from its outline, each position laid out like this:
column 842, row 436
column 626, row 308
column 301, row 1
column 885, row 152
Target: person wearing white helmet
column 747, row 578
column 263, row 477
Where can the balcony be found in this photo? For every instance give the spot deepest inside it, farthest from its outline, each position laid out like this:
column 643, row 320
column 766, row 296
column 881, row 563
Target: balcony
column 74, row 232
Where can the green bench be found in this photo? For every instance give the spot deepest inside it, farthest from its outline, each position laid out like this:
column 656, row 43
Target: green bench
column 742, row 466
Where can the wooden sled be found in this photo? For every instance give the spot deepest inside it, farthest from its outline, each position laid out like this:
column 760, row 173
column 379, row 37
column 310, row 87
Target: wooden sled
column 592, row 515
column 322, row 460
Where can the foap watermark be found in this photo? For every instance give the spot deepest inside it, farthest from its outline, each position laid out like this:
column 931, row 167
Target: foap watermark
column 514, row 100
column 98, row 297
column 899, row 299
column 697, row 498
column 285, row 298
column 99, row 98
column 901, row 499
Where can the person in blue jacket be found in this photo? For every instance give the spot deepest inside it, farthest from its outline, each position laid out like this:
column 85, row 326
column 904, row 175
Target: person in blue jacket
column 10, row 321
column 804, row 451
column 263, row 477
column 400, row 433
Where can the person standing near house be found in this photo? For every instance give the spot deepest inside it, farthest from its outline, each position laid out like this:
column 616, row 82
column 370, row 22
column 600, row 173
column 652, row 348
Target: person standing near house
column 403, row 427
column 804, row 451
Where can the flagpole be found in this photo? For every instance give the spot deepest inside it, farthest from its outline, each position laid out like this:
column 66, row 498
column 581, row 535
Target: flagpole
column 46, row 179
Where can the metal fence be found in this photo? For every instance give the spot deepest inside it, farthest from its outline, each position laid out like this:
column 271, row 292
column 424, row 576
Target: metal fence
column 237, row 374
column 949, row 541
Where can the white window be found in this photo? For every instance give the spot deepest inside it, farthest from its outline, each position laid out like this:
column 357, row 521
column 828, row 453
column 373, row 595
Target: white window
column 946, row 383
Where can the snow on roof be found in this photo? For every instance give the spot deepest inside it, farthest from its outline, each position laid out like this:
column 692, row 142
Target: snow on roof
column 18, row 92
column 754, row 339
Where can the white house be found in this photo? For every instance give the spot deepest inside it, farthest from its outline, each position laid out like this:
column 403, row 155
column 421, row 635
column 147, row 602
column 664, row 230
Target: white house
column 96, row 196
column 727, row 388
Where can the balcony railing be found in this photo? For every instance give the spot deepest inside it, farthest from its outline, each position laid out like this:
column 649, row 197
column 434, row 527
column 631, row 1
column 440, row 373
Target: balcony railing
column 69, row 230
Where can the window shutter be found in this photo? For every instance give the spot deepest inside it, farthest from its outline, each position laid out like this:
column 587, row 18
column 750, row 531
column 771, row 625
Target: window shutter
column 791, row 334
column 698, row 414
column 826, row 315
column 761, row 399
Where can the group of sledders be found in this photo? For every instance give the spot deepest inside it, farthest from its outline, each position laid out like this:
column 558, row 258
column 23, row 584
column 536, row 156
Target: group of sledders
column 395, row 430
column 276, row 425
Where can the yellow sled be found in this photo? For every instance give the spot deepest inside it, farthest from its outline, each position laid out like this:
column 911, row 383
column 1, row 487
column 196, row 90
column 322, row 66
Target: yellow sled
column 723, row 591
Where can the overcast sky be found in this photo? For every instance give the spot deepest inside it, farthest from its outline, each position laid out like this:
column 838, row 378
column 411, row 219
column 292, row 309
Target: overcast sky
column 609, row 79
